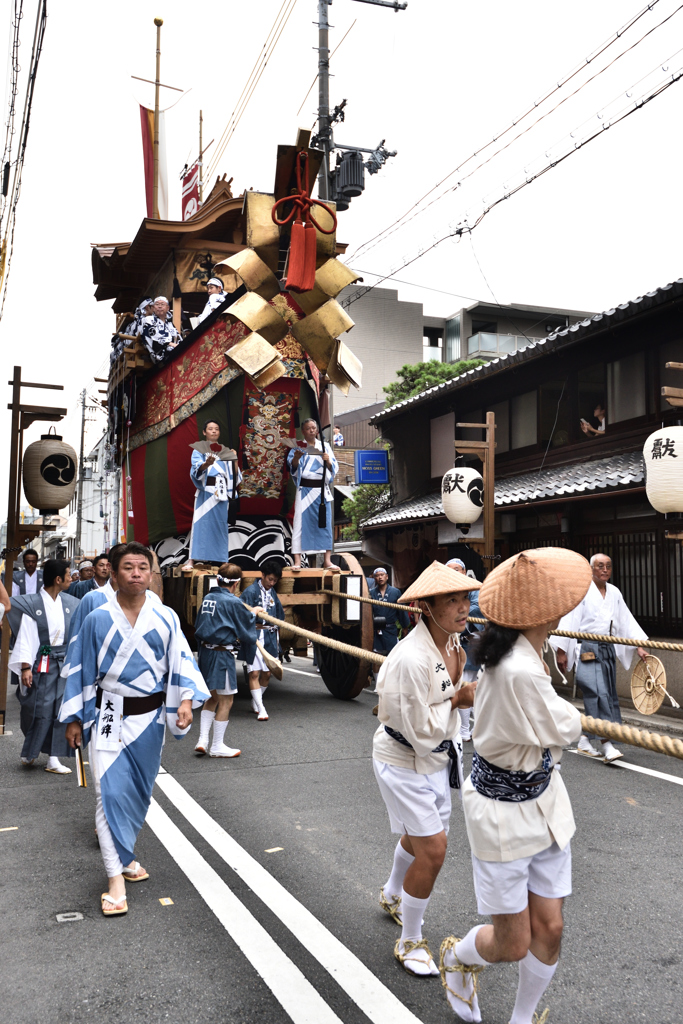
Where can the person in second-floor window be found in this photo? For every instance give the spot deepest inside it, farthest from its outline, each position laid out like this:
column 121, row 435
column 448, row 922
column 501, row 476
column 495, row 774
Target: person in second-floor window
column 600, row 414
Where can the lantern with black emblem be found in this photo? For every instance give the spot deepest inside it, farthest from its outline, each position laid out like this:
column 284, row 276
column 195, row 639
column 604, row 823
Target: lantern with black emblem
column 462, row 494
column 49, row 473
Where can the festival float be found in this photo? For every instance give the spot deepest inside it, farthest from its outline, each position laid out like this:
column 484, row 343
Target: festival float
column 259, row 364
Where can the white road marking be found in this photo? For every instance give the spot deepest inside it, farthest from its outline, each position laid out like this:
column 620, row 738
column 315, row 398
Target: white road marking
column 375, row 1000
column 300, row 672
column 293, row 991
column 636, row 768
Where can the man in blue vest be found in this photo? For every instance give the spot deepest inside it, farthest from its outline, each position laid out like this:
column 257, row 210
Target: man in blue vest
column 102, row 573
column 41, row 624
column 386, row 632
column 28, row 580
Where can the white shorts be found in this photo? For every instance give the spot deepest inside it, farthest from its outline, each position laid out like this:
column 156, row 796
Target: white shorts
column 418, row 805
column 258, row 664
column 503, row 888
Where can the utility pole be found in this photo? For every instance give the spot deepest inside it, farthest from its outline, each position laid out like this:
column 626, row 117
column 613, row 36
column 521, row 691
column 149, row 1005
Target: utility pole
column 201, row 162
column 324, row 126
column 324, row 138
column 79, row 507
column 155, row 209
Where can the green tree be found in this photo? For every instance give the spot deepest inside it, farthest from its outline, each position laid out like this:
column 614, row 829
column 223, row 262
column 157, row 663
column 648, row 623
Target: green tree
column 413, row 379
column 367, row 501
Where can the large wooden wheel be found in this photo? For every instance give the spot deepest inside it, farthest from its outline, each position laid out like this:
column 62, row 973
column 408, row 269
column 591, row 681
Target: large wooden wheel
column 345, row 676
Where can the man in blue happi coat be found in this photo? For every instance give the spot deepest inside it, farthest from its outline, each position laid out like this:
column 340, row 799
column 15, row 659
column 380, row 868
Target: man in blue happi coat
column 261, row 594
column 467, row 640
column 313, row 473
column 99, row 579
column 42, row 625
column 131, row 674
column 386, row 632
column 224, row 629
column 217, row 479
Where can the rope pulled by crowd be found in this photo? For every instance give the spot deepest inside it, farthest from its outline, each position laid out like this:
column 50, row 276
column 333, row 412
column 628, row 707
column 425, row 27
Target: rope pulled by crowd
column 668, row 745
column 602, row 638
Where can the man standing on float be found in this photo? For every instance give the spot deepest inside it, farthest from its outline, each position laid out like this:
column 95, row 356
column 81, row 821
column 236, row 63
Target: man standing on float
column 214, row 478
column 314, row 509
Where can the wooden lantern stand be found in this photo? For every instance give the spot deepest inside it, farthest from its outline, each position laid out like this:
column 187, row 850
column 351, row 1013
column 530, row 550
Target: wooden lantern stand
column 486, row 451
column 674, row 397
column 19, row 534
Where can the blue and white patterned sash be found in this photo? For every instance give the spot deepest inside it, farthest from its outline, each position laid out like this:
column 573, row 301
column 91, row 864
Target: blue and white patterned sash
column 446, row 746
column 510, row 787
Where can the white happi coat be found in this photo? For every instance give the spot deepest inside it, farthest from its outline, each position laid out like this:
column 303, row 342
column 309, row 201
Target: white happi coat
column 598, row 614
column 415, row 692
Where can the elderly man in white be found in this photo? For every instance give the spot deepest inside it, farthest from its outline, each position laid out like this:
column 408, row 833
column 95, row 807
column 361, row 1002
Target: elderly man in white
column 603, row 610
column 158, row 333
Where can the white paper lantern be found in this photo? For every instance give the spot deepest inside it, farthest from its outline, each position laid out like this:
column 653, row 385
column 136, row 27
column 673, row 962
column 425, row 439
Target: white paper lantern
column 49, row 473
column 462, row 494
column 663, row 456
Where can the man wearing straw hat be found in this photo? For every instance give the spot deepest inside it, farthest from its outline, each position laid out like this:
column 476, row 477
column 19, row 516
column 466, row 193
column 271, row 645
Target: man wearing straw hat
column 517, row 811
column 603, row 610
column 417, row 750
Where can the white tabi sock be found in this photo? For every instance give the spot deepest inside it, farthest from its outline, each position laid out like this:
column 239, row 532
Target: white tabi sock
column 461, row 984
column 205, row 720
column 412, row 913
column 402, row 861
column 263, row 690
column 534, row 978
column 218, row 734
column 257, row 699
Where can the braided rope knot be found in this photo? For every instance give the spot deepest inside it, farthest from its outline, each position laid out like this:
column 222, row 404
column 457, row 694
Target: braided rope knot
column 392, row 907
column 409, row 946
column 474, row 970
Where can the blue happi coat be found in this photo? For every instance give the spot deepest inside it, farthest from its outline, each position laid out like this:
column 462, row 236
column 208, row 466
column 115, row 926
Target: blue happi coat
column 256, row 596
column 129, row 661
column 210, row 520
column 224, row 621
column 307, row 535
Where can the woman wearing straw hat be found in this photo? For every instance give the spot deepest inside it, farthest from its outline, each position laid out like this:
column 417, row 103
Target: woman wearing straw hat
column 417, row 750
column 517, row 811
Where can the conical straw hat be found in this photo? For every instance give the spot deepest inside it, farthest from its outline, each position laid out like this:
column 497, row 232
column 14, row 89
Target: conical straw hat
column 535, row 587
column 438, row 579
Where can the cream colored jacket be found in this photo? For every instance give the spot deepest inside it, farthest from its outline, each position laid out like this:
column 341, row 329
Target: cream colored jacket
column 415, row 693
column 517, row 715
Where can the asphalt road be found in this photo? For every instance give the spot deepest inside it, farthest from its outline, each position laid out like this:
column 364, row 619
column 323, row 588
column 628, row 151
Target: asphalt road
column 297, row 934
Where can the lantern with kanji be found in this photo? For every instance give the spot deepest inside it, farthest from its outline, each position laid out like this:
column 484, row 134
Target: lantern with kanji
column 663, row 457
column 462, row 494
column 49, row 473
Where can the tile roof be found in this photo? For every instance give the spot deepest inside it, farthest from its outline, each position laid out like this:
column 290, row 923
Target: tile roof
column 603, row 475
column 558, row 339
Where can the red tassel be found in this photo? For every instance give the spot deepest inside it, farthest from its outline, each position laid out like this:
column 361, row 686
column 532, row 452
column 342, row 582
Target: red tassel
column 302, row 253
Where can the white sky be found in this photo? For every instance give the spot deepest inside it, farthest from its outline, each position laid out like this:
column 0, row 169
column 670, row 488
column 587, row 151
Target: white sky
column 436, row 81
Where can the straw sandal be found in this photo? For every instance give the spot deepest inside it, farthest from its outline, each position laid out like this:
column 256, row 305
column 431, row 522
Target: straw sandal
column 474, row 970
column 543, row 1019
column 409, row 947
column 134, row 875
column 391, row 907
column 116, row 904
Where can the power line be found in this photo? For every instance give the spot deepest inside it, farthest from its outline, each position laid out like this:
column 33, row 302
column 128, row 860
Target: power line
column 331, row 56
column 407, row 219
column 464, row 227
column 259, row 67
column 7, row 245
column 537, row 103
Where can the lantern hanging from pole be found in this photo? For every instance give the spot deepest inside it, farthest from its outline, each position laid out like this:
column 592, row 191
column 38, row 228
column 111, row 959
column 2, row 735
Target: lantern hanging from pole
column 49, row 473
column 462, row 494
column 663, row 457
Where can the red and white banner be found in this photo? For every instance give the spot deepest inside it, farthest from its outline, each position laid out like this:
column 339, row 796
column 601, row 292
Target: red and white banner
column 147, row 123
column 190, row 192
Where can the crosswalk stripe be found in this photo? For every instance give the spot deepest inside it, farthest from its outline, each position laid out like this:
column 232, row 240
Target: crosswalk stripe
column 292, row 990
column 375, row 1000
column 638, row 768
